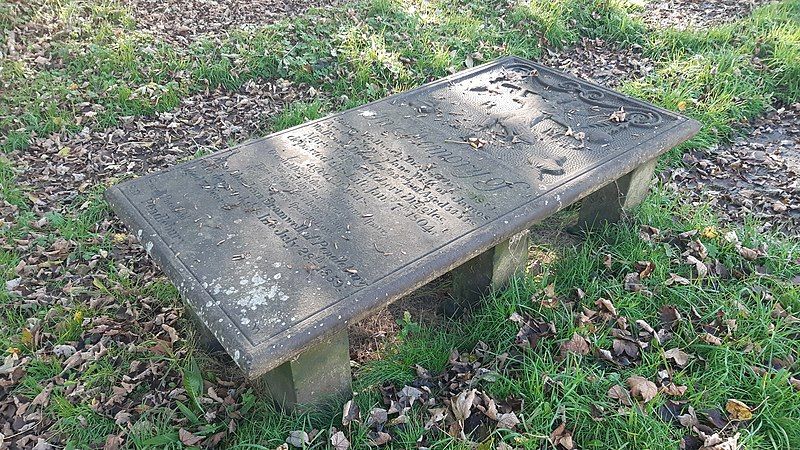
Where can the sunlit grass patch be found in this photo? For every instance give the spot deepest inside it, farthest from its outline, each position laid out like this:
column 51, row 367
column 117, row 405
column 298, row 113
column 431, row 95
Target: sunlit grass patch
column 728, row 75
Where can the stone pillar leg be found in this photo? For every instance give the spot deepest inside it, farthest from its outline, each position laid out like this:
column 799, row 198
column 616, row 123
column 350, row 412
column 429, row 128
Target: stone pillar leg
column 314, row 376
column 489, row 270
column 606, row 204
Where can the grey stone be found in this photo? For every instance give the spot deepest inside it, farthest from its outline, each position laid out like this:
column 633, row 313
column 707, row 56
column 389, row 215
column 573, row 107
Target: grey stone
column 490, row 270
column 321, row 372
column 607, row 204
column 280, row 243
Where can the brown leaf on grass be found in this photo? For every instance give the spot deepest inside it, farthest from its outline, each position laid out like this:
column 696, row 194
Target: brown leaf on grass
column 532, row 330
column 677, row 279
column 633, row 282
column 710, row 339
column 620, row 394
column 122, row 418
column 113, row 442
column 748, row 253
column 298, row 439
column 607, row 260
column 577, row 344
column 350, row 413
column 645, row 268
column 378, row 438
column 607, row 308
column 187, row 438
column 699, row 266
column 43, row 398
column 339, row 441
column 377, row 416
column 677, row 355
column 462, row 404
column 778, row 311
column 716, row 442
column 673, row 390
column 669, row 317
column 173, row 335
column 642, row 388
column 689, row 420
column 548, row 296
column 507, row 421
column 738, row 410
column 561, row 438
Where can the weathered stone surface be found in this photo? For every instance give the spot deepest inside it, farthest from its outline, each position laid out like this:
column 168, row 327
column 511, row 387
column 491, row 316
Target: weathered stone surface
column 281, row 242
column 491, row 269
column 606, row 204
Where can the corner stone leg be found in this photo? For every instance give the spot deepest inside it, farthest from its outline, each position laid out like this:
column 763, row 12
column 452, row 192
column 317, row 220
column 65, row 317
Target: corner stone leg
column 316, row 375
column 489, row 270
column 606, row 204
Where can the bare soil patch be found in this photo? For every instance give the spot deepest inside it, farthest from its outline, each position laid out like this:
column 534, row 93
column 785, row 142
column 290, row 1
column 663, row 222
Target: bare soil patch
column 181, row 22
column 61, row 167
column 757, row 177
column 600, row 61
column 696, row 14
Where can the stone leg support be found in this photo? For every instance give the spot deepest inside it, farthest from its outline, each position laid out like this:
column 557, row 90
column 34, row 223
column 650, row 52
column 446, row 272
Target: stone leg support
column 606, row 204
column 316, row 375
column 489, row 270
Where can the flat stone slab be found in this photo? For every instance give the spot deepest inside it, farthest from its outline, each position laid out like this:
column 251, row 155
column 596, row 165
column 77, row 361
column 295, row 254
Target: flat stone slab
column 281, row 241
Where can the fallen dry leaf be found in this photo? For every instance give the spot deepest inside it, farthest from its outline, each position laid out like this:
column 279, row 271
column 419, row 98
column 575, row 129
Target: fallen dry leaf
column 642, row 388
column 680, row 357
column 738, row 410
column 298, row 439
column 620, row 394
column 577, row 345
column 561, row 438
column 187, row 438
column 339, row 441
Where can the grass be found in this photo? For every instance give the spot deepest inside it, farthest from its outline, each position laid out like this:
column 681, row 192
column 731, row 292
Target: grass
column 106, row 68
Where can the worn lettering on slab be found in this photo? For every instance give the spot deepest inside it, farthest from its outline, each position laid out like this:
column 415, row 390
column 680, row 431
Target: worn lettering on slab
column 277, row 240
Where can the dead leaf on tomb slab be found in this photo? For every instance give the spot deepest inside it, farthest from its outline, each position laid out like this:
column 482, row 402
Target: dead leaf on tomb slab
column 187, row 438
column 577, row 344
column 642, row 388
column 561, row 438
column 738, row 410
column 618, row 116
column 339, row 441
